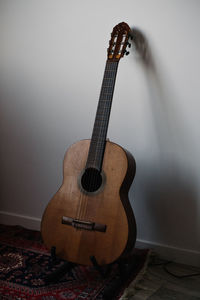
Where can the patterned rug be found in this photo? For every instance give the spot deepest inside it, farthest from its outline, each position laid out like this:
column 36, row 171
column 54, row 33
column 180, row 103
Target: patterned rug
column 26, row 268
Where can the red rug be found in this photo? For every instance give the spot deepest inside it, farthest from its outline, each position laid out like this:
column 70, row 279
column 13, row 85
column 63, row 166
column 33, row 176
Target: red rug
column 25, row 263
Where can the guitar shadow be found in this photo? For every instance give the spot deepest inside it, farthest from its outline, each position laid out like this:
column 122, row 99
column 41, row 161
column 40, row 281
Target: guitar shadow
column 166, row 187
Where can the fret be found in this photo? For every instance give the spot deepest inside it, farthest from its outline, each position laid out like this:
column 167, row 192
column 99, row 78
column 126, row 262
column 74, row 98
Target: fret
column 108, row 78
column 100, row 120
column 105, row 98
column 105, row 102
column 103, row 110
column 106, row 93
column 98, row 149
column 97, row 131
column 103, row 107
column 98, row 140
column 102, row 126
column 106, row 86
column 107, row 89
column 99, row 137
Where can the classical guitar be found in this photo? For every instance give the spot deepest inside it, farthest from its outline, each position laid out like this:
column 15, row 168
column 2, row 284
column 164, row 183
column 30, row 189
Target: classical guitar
column 90, row 215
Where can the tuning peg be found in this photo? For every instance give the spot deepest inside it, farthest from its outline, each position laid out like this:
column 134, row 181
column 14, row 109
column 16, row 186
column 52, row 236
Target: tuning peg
column 129, row 45
column 131, row 36
column 127, row 52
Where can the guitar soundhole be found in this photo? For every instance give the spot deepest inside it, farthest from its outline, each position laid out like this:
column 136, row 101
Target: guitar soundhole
column 91, row 180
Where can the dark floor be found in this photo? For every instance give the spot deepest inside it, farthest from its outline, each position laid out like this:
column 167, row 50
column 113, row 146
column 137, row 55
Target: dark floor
column 158, row 284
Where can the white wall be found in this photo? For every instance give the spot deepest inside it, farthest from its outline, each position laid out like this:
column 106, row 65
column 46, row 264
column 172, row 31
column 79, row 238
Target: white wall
column 52, row 57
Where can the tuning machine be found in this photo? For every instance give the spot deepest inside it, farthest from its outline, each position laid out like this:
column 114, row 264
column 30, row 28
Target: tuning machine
column 131, row 35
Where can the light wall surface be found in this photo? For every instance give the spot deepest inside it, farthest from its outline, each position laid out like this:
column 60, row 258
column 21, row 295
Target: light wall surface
column 52, row 58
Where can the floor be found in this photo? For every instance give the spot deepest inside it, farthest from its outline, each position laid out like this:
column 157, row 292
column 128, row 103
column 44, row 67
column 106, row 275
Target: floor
column 159, row 284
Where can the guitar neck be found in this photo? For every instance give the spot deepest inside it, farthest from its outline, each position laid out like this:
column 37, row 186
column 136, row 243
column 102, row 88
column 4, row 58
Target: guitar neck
column 98, row 140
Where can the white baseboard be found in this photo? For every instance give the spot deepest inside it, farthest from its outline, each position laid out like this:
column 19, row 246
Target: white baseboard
column 180, row 255
column 171, row 253
column 9, row 218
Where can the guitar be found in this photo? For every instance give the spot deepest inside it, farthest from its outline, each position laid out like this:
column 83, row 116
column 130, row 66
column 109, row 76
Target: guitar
column 90, row 215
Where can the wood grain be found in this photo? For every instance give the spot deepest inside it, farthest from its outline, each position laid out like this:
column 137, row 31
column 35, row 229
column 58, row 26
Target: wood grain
column 109, row 206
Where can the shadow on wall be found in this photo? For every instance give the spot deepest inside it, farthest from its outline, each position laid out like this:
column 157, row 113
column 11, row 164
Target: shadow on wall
column 168, row 186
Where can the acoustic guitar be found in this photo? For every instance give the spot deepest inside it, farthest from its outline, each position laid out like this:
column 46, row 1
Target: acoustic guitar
column 90, row 215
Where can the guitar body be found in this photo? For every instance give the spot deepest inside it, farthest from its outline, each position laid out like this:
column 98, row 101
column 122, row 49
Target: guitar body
column 82, row 224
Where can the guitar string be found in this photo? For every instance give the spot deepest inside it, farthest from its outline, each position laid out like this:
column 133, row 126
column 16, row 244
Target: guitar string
column 105, row 107
column 106, row 93
column 83, row 206
column 104, row 121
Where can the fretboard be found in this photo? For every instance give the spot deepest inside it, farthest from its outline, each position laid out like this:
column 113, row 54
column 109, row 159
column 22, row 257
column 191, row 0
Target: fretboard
column 98, row 140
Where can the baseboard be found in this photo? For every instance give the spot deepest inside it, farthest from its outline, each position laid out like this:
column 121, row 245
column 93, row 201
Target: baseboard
column 180, row 255
column 9, row 218
column 171, row 253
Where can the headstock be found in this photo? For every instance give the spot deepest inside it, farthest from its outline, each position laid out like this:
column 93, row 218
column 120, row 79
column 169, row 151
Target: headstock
column 119, row 42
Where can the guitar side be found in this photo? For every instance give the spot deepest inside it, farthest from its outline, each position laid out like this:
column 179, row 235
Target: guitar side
column 113, row 230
